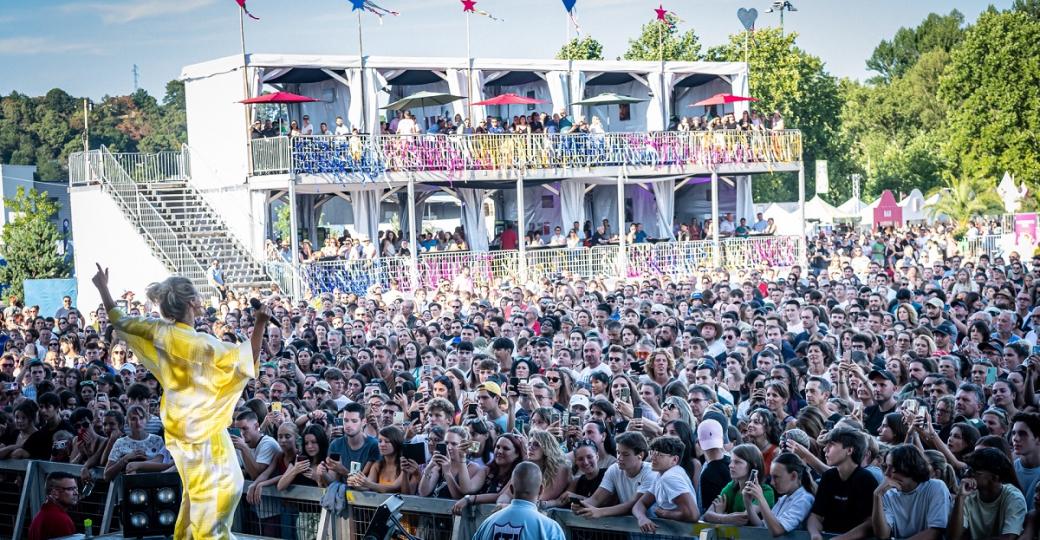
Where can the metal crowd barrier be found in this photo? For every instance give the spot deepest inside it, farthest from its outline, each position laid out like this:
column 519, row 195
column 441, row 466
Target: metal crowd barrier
column 672, row 259
column 371, row 156
column 295, row 514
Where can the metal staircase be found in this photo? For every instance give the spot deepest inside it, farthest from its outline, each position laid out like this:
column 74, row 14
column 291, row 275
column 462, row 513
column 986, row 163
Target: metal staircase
column 173, row 217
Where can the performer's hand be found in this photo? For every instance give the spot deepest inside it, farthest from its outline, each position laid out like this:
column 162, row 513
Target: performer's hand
column 100, row 279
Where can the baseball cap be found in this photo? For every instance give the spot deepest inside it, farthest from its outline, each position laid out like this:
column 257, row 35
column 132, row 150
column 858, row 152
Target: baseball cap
column 492, row 388
column 883, row 373
column 323, row 386
column 580, row 400
column 129, row 367
column 935, row 302
column 709, row 434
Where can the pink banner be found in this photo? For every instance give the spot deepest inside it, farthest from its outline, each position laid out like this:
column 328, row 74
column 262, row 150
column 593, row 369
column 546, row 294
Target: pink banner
column 1025, row 229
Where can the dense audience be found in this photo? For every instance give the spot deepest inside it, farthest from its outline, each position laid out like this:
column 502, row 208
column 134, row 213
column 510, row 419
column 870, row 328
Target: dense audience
column 887, row 390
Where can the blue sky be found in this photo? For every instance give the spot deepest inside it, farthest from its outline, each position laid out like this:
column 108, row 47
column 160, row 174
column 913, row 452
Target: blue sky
column 88, row 47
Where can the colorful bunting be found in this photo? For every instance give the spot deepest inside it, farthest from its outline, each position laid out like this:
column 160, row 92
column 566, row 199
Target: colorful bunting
column 569, row 6
column 242, row 4
column 469, row 6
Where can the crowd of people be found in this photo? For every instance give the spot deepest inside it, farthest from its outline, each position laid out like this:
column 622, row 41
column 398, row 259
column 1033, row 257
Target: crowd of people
column 887, row 390
column 406, row 123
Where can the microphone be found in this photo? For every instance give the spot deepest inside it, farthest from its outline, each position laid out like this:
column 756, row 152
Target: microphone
column 257, row 306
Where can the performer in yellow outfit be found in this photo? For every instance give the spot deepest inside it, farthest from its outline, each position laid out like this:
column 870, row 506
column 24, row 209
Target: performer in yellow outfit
column 202, row 379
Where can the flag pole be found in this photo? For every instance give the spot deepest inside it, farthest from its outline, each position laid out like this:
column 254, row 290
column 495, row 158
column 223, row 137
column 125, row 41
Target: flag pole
column 361, row 56
column 245, row 86
column 469, row 73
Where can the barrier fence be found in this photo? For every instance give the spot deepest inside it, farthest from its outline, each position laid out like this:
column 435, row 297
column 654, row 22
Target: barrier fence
column 371, row 155
column 295, row 514
column 665, row 259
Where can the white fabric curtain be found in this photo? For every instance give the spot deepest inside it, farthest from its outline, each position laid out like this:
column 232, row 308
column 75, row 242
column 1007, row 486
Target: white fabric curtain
column 374, row 82
column 354, row 112
column 366, row 212
column 572, row 203
column 541, row 207
column 655, row 117
column 333, row 100
column 273, row 73
column 604, row 206
column 476, row 93
column 457, row 85
column 473, row 218
column 740, row 88
column 664, row 196
column 557, row 81
column 577, row 86
column 745, row 206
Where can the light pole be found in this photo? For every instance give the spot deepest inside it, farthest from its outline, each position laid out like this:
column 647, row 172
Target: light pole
column 781, row 6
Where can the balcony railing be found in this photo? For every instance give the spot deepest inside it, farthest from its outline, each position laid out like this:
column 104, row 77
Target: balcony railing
column 676, row 260
column 370, row 156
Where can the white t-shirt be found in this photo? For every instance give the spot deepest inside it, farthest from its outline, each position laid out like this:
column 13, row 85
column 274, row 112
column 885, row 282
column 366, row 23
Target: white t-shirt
column 625, row 488
column 670, row 486
column 152, row 445
column 266, row 450
column 588, row 371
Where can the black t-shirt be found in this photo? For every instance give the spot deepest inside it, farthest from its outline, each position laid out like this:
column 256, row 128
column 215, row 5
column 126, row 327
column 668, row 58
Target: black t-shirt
column 872, row 417
column 714, row 477
column 844, row 504
column 585, row 487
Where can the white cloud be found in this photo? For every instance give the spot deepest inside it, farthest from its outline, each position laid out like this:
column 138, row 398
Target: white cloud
column 133, row 10
column 40, row 45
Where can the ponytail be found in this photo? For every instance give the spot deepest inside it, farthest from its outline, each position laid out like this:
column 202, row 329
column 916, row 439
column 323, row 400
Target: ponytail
column 794, row 464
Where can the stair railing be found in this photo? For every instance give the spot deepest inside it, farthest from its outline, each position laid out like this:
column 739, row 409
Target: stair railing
column 124, row 190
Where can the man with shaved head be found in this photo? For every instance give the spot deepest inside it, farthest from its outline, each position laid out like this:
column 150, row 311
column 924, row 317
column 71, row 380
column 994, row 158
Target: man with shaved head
column 521, row 519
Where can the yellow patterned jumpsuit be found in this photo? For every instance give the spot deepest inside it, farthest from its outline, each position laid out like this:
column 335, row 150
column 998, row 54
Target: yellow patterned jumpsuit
column 202, row 378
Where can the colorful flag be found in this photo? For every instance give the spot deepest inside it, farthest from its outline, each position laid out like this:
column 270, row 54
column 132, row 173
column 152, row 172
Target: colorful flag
column 569, row 6
column 469, row 6
column 669, row 17
column 242, row 4
column 371, row 7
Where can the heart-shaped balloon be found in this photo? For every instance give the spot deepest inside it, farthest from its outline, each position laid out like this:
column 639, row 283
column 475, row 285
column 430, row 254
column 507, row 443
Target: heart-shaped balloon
column 569, row 4
column 747, row 17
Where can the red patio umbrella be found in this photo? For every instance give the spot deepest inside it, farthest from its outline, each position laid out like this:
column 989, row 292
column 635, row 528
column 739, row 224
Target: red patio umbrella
column 509, row 99
column 279, row 97
column 722, row 99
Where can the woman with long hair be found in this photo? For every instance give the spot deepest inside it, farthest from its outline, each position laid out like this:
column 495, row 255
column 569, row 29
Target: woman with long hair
column 493, row 480
column 792, row 480
column 384, row 475
column 688, row 460
column 544, row 450
column 745, row 466
column 763, row 431
column 560, row 382
column 202, row 378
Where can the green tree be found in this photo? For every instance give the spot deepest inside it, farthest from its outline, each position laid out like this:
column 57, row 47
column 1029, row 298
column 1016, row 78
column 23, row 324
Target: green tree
column 964, row 197
column 892, row 59
column 658, row 40
column 282, row 224
column 30, row 241
column 991, row 88
column 897, row 130
column 581, row 48
column 787, row 79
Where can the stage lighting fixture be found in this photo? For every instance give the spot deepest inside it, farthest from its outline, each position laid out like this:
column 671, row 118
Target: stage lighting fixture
column 386, row 522
column 150, row 503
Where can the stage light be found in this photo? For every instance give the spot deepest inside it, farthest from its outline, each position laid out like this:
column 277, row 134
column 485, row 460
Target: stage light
column 386, row 522
column 150, row 503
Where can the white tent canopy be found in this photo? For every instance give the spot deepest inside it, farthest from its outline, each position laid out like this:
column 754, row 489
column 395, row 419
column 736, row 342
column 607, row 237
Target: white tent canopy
column 820, row 210
column 914, row 207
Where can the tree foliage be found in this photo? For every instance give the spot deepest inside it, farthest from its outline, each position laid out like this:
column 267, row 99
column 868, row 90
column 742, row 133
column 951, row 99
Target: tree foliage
column 892, row 59
column 965, row 197
column 658, row 40
column 30, row 241
column 785, row 78
column 44, row 130
column 991, row 88
column 581, row 48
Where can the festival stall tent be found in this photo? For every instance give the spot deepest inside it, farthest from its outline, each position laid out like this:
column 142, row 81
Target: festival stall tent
column 866, row 214
column 851, row 209
column 784, row 216
column 913, row 206
column 932, row 201
column 888, row 213
column 1010, row 194
column 820, row 210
